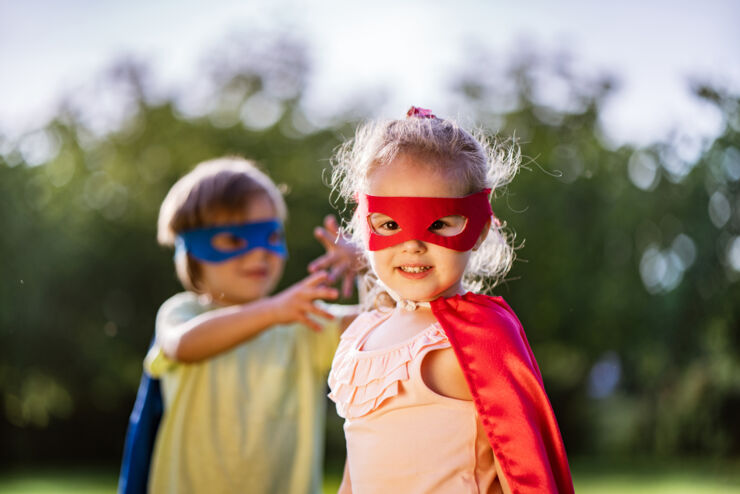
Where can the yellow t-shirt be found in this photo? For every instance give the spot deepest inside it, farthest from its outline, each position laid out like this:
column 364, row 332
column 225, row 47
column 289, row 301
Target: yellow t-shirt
column 250, row 420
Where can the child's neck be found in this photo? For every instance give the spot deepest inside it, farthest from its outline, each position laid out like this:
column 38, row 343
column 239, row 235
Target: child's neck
column 400, row 326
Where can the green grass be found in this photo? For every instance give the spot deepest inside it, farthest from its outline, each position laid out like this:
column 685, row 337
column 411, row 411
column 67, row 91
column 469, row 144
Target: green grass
column 59, row 481
column 590, row 477
column 651, row 476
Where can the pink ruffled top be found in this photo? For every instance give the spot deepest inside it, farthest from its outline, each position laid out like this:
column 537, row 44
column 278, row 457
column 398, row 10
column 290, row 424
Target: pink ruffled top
column 401, row 435
column 360, row 381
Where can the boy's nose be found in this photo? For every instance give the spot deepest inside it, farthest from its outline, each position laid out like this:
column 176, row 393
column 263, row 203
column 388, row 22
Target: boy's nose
column 255, row 253
column 261, row 254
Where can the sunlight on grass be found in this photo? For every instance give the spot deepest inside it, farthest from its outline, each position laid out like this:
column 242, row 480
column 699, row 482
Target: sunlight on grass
column 662, row 485
column 57, row 481
column 656, row 477
column 636, row 477
column 590, row 477
column 331, row 484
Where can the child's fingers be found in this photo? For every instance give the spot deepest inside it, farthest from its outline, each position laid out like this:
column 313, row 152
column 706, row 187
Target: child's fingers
column 322, row 292
column 325, row 237
column 314, row 279
column 309, row 322
column 321, row 262
column 330, row 260
column 337, row 271
column 348, row 285
column 331, row 224
column 314, row 309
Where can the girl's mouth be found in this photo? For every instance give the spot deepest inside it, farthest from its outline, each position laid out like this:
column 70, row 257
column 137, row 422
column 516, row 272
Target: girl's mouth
column 413, row 272
column 414, row 269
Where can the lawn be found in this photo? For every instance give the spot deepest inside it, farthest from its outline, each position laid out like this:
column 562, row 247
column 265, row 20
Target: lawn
column 590, row 477
column 656, row 477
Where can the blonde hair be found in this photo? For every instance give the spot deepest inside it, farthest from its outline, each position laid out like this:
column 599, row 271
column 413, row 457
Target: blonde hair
column 214, row 188
column 472, row 159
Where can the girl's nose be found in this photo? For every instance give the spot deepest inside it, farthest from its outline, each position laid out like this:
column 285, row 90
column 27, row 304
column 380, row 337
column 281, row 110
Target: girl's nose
column 413, row 246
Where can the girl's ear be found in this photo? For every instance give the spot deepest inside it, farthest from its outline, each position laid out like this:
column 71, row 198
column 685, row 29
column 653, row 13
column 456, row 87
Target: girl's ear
column 483, row 234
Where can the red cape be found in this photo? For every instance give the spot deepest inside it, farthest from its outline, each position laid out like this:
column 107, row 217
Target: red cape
column 508, row 392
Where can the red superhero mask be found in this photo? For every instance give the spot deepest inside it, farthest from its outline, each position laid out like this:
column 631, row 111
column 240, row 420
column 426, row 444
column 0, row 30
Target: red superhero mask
column 415, row 215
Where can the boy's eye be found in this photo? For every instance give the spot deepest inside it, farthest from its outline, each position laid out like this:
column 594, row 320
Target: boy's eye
column 383, row 224
column 449, row 226
column 227, row 242
column 276, row 238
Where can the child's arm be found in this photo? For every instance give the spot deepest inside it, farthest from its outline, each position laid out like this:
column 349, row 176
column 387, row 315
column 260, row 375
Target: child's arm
column 442, row 373
column 342, row 257
column 222, row 329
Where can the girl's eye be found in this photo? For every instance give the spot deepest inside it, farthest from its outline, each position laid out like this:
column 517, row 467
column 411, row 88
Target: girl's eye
column 449, row 226
column 227, row 242
column 382, row 224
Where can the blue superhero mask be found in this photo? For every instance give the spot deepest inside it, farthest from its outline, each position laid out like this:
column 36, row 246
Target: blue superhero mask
column 221, row 243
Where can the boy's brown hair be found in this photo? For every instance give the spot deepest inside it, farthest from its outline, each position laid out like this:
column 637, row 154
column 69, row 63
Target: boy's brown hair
column 213, row 189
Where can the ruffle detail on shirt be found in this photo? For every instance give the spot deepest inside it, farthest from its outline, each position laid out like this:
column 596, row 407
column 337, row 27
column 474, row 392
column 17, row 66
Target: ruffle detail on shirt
column 361, row 381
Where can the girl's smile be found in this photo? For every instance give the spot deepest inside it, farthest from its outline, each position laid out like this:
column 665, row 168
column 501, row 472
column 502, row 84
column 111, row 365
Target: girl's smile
column 415, row 269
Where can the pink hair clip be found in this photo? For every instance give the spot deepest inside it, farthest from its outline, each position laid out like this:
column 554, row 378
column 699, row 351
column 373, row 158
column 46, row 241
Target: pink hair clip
column 417, row 112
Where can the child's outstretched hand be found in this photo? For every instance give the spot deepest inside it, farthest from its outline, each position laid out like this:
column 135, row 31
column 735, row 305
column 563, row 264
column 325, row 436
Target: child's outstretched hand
column 295, row 303
column 341, row 257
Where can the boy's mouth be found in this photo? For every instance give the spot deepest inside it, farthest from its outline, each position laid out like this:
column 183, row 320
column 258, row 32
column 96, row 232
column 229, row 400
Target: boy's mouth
column 256, row 272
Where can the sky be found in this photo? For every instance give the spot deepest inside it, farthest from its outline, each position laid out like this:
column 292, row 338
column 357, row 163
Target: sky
column 408, row 48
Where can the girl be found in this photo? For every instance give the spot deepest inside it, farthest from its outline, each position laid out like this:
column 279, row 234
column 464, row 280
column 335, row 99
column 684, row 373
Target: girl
column 439, row 389
column 242, row 372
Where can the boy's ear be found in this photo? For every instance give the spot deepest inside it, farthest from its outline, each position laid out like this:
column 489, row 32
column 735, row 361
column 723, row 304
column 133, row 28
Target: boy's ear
column 483, row 234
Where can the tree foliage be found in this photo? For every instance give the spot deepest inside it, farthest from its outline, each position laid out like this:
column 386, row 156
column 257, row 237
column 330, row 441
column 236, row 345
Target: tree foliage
column 626, row 280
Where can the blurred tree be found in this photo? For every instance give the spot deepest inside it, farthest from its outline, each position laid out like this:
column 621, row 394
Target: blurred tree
column 631, row 263
column 85, row 276
column 627, row 284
